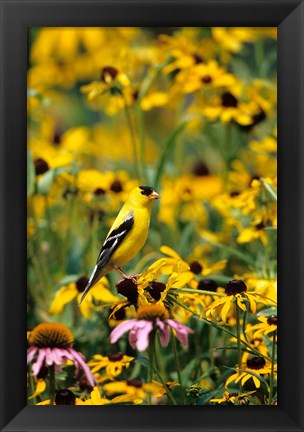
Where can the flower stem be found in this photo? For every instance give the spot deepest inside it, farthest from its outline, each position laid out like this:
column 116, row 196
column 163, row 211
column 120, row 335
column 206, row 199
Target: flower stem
column 177, row 365
column 211, row 346
column 272, row 367
column 199, row 292
column 151, row 352
column 169, row 394
column 238, row 337
column 52, row 383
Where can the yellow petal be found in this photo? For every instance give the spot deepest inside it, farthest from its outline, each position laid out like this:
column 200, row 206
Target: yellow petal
column 231, row 379
column 40, row 387
column 226, row 308
column 166, row 250
column 256, row 381
column 63, row 296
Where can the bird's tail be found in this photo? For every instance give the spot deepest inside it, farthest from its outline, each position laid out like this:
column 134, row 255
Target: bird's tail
column 96, row 275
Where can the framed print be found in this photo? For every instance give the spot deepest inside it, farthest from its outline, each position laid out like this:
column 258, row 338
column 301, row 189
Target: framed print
column 153, row 152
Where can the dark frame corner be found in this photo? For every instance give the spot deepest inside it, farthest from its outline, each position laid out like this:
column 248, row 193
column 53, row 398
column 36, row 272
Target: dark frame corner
column 16, row 17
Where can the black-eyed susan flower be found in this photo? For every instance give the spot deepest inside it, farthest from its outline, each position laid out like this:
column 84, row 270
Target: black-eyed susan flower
column 236, row 291
column 266, row 326
column 96, row 398
column 133, row 390
column 74, row 290
column 233, row 398
column 112, row 363
column 258, row 365
column 68, row 397
column 205, row 76
column 51, row 344
column 154, row 317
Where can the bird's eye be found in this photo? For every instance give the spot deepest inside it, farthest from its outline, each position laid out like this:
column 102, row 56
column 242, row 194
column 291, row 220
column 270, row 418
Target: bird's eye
column 146, row 190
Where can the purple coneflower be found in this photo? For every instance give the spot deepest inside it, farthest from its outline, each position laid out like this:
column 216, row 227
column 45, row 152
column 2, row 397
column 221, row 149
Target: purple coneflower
column 150, row 318
column 51, row 344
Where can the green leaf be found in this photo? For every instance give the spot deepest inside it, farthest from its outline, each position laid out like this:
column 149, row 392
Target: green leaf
column 188, row 370
column 268, row 312
column 166, row 152
column 271, row 192
column 30, row 174
column 45, row 183
column 232, row 251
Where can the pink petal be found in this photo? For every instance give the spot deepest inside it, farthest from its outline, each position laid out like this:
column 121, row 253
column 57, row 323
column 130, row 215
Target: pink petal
column 58, row 355
column 78, row 359
column 48, row 357
column 39, row 362
column 121, row 329
column 182, row 331
column 164, row 334
column 143, row 331
column 31, row 354
column 133, row 337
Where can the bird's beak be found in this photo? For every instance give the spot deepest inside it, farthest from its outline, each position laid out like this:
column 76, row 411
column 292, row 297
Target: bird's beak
column 153, row 196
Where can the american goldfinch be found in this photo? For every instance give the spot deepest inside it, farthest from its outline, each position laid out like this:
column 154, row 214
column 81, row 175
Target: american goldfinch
column 127, row 235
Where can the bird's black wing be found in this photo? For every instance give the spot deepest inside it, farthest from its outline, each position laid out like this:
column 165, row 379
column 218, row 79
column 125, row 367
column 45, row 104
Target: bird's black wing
column 109, row 246
column 114, row 240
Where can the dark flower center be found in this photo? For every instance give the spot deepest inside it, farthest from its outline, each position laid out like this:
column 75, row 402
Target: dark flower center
column 57, row 137
column 233, row 395
column 229, row 101
column 81, row 283
column 256, row 363
column 119, row 315
column 260, row 226
column 51, row 335
column 196, row 267
column 41, row 166
column 207, row 285
column 65, row 397
column 134, row 383
column 235, row 286
column 198, row 59
column 108, row 74
column 207, row 79
column 272, row 320
column 99, row 191
column 200, row 169
column 155, row 289
column 116, row 186
column 115, row 357
column 135, row 95
column 234, row 194
column 128, row 288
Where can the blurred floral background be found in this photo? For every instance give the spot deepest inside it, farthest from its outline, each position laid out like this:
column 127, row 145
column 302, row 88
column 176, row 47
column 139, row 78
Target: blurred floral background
column 190, row 112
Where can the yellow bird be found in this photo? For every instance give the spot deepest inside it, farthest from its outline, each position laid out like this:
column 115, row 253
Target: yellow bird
column 127, row 235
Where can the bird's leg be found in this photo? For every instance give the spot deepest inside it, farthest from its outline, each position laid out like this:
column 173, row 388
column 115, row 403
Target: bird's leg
column 121, row 272
column 124, row 275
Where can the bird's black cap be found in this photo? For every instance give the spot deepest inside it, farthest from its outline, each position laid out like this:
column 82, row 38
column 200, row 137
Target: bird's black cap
column 146, row 190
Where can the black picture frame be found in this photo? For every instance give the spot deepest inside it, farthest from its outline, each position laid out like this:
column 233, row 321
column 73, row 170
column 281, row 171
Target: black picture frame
column 16, row 17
